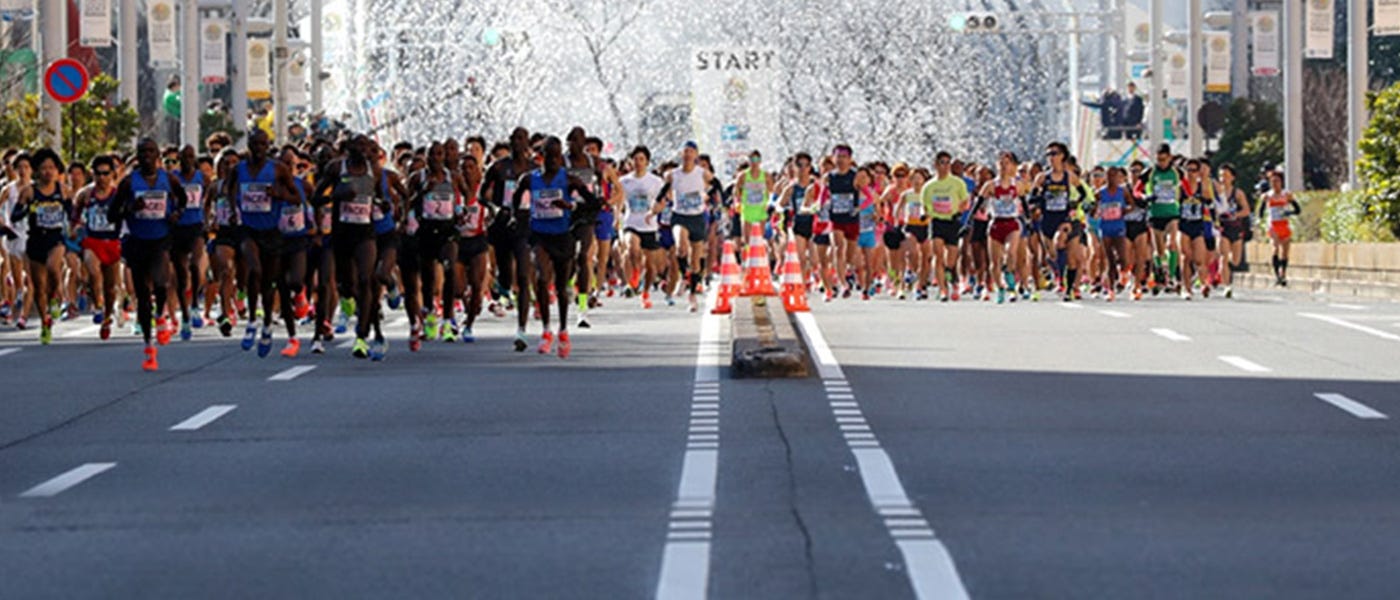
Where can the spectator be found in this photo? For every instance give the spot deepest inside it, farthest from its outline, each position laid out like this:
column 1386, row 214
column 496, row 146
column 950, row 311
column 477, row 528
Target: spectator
column 171, row 107
column 1132, row 113
column 1110, row 107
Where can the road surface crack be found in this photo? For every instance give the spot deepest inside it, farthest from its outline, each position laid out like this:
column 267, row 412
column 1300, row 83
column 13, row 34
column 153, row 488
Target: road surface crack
column 808, row 561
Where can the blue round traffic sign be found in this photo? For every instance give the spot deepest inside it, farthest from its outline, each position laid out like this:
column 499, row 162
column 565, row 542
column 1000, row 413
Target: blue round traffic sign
column 66, row 80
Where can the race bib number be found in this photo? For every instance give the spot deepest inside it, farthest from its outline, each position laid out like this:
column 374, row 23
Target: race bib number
column 1192, row 211
column 97, row 220
column 194, row 197
column 638, row 203
column 843, row 203
column 49, row 215
column 358, row 211
column 254, row 198
column 222, row 214
column 690, row 203
column 376, row 212
column 152, row 205
column 1164, row 194
column 542, row 206
column 942, row 205
column 1004, row 209
column 867, row 222
column 1135, row 215
column 1057, row 202
column 1111, row 211
column 755, row 194
column 292, row 220
column 1278, row 213
column 471, row 219
column 914, row 210
column 438, row 206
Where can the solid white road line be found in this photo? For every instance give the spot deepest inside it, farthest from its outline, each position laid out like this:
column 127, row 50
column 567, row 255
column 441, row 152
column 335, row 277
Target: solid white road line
column 928, row 565
column 1349, row 325
column 1347, row 306
column 292, row 373
column 1070, row 305
column 204, row 417
column 90, row 330
column 58, row 485
column 1171, row 335
column 1115, row 314
column 685, row 559
column 1357, row 409
column 1244, row 364
column 9, row 351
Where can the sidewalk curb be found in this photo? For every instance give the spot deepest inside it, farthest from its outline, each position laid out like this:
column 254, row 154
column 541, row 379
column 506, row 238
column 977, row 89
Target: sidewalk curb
column 765, row 345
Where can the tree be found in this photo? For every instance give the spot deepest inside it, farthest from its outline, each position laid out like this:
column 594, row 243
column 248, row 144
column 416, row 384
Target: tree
column 1251, row 139
column 98, row 125
column 1380, row 157
column 600, row 25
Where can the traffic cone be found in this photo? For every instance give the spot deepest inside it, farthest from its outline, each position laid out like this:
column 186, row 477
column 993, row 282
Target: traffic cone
column 758, row 277
column 729, row 282
column 794, row 288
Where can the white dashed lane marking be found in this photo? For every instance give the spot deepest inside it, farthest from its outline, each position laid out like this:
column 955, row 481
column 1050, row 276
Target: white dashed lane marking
column 62, row 483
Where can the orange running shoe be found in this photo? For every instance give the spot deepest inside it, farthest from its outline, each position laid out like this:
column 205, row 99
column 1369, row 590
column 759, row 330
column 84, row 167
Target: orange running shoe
column 150, row 363
column 293, row 347
column 546, row 342
column 565, row 346
column 163, row 331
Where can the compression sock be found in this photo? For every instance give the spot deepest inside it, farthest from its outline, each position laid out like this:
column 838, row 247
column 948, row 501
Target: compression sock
column 1173, row 264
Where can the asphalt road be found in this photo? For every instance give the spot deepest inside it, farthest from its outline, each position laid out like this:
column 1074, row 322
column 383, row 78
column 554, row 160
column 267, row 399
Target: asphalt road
column 1211, row 449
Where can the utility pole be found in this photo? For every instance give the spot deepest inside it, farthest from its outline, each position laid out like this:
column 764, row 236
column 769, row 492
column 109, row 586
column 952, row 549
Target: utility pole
column 1195, row 53
column 189, row 76
column 317, row 53
column 1074, row 111
column 1239, row 49
column 53, row 20
column 1158, row 97
column 126, row 62
column 1359, row 79
column 280, row 57
column 238, row 69
column 1293, row 95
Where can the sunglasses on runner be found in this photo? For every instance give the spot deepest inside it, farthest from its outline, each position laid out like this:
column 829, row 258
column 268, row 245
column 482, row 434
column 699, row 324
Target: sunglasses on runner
column 102, row 173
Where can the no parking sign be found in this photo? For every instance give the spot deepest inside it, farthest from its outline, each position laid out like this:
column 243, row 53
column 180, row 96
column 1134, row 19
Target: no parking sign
column 66, row 80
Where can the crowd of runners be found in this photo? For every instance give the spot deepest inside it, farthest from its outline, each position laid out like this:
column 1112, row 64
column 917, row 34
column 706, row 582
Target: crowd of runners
column 324, row 237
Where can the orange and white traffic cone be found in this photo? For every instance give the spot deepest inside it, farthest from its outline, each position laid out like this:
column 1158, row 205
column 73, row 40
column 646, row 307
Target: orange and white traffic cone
column 729, row 282
column 758, row 276
column 794, row 288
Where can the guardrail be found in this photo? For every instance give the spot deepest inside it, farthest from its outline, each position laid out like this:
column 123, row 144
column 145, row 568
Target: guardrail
column 1359, row 270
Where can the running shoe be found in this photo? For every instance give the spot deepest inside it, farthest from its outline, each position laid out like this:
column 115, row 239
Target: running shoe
column 646, row 301
column 1229, row 292
column 96, row 318
column 20, row 324
column 429, row 328
column 302, row 306
column 46, row 331
column 670, row 301
column 467, row 337
column 163, row 331
column 342, row 323
column 415, row 337
column 1001, row 295
column 546, row 342
column 394, row 298
column 1205, row 291
column 360, row 349
column 449, row 332
column 106, row 332
column 520, row 343
column 249, row 335
column 197, row 322
column 378, row 349
column 225, row 326
column 691, row 305
column 265, row 343
column 496, row 310
column 565, row 346
column 185, row 332
column 317, row 347
column 150, row 363
column 293, row 347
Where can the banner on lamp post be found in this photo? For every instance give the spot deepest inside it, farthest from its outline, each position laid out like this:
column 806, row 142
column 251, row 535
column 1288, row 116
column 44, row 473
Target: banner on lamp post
column 1177, row 73
column 95, row 24
column 259, row 71
column 1319, row 23
column 1218, row 59
column 1386, row 14
column 1265, row 32
column 160, row 33
column 213, row 51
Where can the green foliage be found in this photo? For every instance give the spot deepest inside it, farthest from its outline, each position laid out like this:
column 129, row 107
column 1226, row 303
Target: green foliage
column 97, row 125
column 1380, row 158
column 1345, row 219
column 1251, row 138
column 1307, row 226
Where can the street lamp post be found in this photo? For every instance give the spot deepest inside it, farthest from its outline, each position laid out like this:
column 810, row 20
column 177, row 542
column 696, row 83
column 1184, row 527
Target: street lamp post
column 53, row 20
column 190, row 77
column 1359, row 74
column 1293, row 94
column 1154, row 103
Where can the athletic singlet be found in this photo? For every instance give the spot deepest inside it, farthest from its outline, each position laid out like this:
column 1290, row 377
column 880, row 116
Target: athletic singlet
column 253, row 197
column 1164, row 189
column 1111, row 205
column 588, row 175
column 753, row 196
column 294, row 218
column 914, row 213
column 1227, row 204
column 1004, row 203
column 1278, row 207
column 154, row 204
column 545, row 217
column 353, row 199
column 1056, row 194
column 438, row 202
column 689, row 191
column 799, row 193
column 1193, row 207
column 48, row 213
column 640, row 194
column 842, row 189
column 94, row 216
column 194, row 198
column 867, row 210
